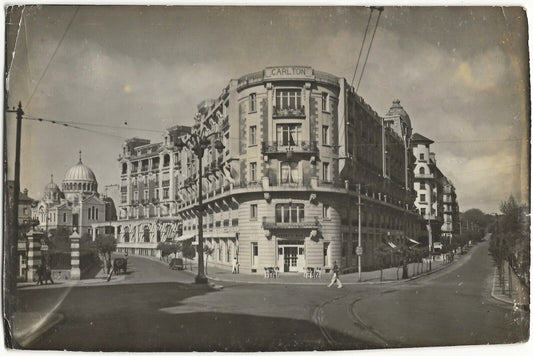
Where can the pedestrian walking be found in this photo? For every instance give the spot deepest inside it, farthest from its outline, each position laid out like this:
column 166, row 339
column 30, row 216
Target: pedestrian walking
column 235, row 266
column 335, row 277
column 45, row 274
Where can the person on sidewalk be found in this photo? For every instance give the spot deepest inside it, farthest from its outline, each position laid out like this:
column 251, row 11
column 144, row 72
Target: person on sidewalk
column 235, row 266
column 335, row 277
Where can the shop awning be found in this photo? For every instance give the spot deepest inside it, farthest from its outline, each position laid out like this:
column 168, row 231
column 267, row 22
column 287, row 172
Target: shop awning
column 186, row 237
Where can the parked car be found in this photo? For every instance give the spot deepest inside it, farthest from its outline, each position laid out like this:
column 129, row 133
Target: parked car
column 176, row 263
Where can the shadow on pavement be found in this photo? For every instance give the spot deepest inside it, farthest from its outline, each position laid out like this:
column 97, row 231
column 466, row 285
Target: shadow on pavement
column 128, row 318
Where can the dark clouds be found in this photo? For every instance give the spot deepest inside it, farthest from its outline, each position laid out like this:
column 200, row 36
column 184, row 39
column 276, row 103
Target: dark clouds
column 461, row 73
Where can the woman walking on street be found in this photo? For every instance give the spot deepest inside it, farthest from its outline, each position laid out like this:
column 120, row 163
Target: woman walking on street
column 335, row 277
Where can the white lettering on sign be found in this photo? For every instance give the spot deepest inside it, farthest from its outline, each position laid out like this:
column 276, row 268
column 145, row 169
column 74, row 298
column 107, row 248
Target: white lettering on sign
column 286, row 72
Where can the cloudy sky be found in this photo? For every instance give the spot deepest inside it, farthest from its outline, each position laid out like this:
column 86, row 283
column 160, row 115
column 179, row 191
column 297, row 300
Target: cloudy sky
column 461, row 74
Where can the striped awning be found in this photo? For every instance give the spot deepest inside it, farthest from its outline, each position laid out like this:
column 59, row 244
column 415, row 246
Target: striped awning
column 186, row 237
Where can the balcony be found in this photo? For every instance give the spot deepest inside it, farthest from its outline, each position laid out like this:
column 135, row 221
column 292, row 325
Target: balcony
column 289, row 112
column 271, row 223
column 302, row 147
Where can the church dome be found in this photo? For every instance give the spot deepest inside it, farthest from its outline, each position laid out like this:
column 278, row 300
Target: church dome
column 52, row 193
column 79, row 179
column 397, row 110
column 79, row 172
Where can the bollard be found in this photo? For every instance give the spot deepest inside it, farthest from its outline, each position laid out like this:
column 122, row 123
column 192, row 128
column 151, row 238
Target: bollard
column 34, row 253
column 75, row 272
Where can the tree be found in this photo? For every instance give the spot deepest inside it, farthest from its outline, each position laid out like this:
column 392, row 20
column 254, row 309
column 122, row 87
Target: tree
column 188, row 250
column 382, row 251
column 208, row 251
column 106, row 244
column 510, row 221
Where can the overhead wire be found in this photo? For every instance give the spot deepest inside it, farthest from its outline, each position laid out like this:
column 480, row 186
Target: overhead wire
column 56, row 122
column 52, row 57
column 362, row 45
column 101, row 125
column 369, row 47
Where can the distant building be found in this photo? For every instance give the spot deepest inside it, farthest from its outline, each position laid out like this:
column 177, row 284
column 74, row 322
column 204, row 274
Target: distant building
column 298, row 145
column 76, row 206
column 148, row 208
column 25, row 222
column 451, row 224
column 428, row 183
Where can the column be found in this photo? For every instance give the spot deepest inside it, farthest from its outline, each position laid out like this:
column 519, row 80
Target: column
column 75, row 272
column 116, row 232
column 34, row 253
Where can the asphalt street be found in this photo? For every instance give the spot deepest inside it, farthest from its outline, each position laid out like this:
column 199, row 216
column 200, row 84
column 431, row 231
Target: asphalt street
column 156, row 309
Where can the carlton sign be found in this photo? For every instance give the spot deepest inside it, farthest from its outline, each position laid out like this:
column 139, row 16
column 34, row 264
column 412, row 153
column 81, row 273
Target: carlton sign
column 289, row 72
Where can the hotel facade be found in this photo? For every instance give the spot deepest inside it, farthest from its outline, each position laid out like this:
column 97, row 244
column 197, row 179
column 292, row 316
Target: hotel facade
column 300, row 149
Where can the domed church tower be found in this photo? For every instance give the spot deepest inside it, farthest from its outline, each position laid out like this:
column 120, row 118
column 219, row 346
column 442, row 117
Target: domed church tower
column 52, row 194
column 79, row 180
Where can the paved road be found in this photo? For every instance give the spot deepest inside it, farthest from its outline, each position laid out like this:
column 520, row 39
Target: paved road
column 155, row 309
column 453, row 306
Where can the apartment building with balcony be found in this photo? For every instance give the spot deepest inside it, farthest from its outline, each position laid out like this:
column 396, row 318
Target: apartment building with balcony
column 150, row 174
column 451, row 221
column 428, row 184
column 300, row 147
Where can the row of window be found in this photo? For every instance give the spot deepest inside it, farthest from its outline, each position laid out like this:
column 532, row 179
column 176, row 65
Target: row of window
column 289, row 172
column 288, row 135
column 287, row 99
column 146, row 195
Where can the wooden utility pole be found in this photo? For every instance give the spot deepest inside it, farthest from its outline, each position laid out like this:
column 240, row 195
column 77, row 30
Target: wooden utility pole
column 11, row 239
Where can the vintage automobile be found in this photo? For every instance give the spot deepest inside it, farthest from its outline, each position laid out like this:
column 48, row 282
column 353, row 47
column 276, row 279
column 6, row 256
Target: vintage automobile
column 176, row 263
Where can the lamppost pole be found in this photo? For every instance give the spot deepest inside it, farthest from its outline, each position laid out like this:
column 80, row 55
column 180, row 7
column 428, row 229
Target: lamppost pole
column 359, row 248
column 200, row 277
column 198, row 142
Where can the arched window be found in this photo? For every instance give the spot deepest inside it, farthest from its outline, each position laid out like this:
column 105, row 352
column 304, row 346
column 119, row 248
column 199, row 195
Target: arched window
column 126, row 234
column 96, row 214
column 422, row 170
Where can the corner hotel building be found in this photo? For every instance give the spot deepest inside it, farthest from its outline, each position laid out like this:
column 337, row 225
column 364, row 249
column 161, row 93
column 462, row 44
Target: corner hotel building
column 299, row 146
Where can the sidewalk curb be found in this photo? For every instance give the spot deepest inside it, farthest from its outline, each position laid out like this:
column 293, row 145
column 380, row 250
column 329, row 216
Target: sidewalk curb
column 505, row 300
column 325, row 281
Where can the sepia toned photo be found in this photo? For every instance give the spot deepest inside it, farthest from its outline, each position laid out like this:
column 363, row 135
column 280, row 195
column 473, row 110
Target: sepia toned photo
column 265, row 178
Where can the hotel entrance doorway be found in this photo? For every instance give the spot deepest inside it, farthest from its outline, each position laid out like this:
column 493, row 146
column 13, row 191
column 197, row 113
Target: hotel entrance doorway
column 291, row 255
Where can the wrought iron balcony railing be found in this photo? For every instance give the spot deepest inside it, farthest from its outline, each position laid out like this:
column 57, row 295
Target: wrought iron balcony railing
column 271, row 223
column 289, row 112
column 297, row 147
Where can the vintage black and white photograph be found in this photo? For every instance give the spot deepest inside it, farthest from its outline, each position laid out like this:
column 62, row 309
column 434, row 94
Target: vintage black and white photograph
column 265, row 178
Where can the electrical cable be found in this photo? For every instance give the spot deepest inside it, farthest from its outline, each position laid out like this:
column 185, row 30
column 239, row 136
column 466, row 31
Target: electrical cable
column 368, row 52
column 53, row 55
column 362, row 45
column 100, row 125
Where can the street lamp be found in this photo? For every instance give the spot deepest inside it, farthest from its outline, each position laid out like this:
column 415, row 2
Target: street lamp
column 197, row 141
